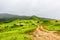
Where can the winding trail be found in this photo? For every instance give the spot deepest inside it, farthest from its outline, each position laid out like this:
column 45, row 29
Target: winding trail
column 41, row 34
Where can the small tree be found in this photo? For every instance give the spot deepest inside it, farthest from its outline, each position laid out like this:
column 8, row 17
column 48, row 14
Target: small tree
column 14, row 26
column 21, row 25
column 37, row 21
column 56, row 21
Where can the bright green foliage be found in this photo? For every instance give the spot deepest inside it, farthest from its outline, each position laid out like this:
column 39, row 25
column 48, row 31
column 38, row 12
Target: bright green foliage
column 55, row 27
column 16, row 29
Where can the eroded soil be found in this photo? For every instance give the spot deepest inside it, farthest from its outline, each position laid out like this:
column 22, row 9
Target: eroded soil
column 41, row 34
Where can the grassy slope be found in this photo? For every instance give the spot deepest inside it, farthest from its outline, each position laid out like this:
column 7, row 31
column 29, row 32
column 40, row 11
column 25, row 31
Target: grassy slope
column 9, row 31
column 16, row 32
column 53, row 25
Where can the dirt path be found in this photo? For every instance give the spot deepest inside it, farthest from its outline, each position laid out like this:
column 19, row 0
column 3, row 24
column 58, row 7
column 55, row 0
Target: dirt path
column 41, row 34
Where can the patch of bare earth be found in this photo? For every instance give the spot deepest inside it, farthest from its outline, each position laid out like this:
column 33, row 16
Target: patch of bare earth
column 41, row 34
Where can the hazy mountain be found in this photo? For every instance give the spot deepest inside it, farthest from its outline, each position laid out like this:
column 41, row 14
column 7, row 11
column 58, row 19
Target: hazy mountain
column 9, row 17
column 6, row 15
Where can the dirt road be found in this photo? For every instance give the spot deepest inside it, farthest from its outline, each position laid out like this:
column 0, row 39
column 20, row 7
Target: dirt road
column 41, row 34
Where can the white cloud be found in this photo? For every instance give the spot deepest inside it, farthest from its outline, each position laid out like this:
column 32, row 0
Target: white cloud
column 44, row 8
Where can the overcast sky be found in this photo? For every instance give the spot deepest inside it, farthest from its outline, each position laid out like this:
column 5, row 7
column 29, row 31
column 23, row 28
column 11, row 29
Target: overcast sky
column 42, row 8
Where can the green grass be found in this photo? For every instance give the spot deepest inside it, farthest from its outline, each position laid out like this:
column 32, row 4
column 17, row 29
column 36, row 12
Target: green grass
column 10, row 32
column 52, row 25
column 53, row 28
column 13, row 36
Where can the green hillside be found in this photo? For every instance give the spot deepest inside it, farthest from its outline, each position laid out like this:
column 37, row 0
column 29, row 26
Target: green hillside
column 17, row 27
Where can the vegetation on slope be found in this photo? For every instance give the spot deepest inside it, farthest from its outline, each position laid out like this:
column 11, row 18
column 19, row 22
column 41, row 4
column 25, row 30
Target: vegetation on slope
column 16, row 27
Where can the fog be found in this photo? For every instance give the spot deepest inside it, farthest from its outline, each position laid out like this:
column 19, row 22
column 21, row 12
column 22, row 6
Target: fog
column 41, row 8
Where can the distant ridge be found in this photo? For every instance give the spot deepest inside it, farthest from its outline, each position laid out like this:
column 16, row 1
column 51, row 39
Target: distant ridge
column 6, row 15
